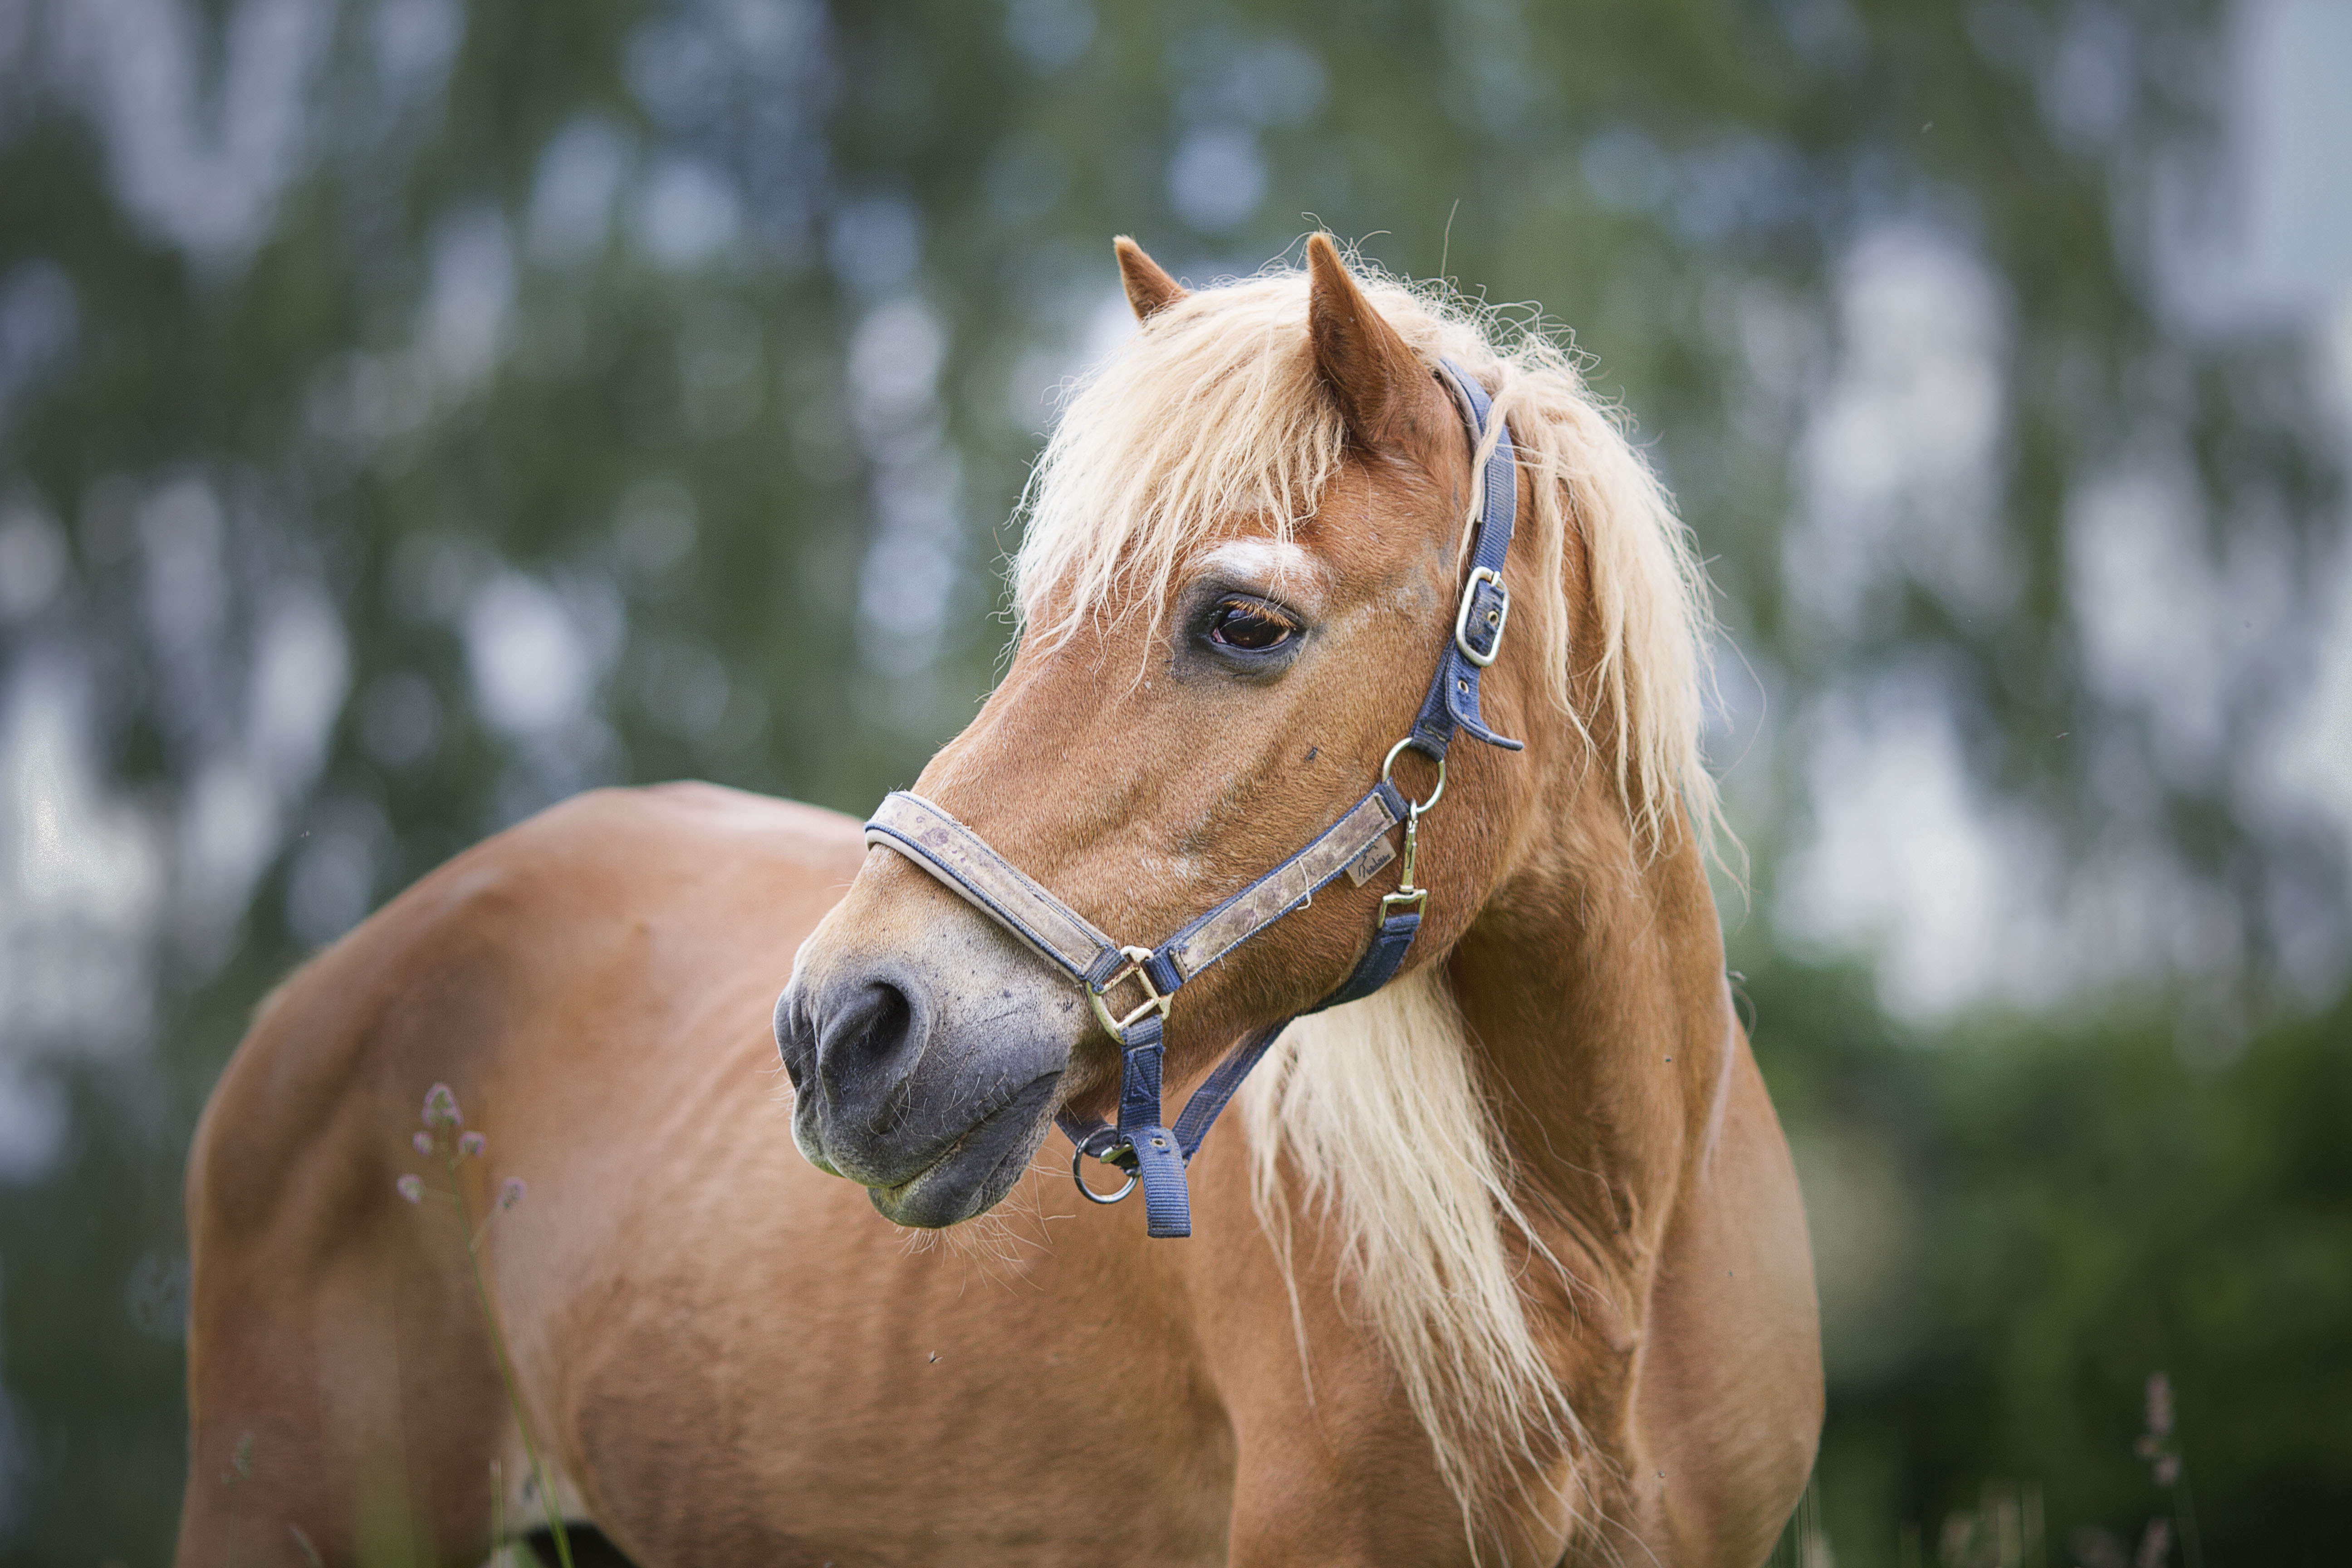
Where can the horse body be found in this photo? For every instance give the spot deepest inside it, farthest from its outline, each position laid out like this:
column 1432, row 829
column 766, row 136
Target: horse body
column 728, row 1357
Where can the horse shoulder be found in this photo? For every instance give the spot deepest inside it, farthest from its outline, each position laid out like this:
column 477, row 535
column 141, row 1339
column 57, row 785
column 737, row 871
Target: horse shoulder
column 1730, row 1393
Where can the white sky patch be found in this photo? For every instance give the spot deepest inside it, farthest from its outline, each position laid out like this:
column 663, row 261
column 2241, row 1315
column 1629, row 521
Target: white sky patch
column 414, row 42
column 33, row 561
column 76, row 853
column 1907, row 862
column 332, row 885
column 2274, row 240
column 1899, row 467
column 537, row 651
column 2314, row 763
column 228, row 830
column 1906, row 859
column 300, row 671
column 691, row 212
column 234, row 817
column 469, row 303
column 1107, row 326
column 534, row 667
column 1216, row 177
column 913, row 562
column 572, row 198
column 2169, row 624
column 202, row 142
column 1044, row 375
column 184, row 570
column 40, row 322
column 82, row 874
column 464, row 326
column 2267, row 235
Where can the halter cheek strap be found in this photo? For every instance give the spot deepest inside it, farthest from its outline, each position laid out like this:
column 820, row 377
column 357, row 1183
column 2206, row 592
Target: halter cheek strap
column 1152, row 1154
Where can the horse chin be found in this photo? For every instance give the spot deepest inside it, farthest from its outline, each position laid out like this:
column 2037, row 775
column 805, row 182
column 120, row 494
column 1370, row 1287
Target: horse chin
column 977, row 1170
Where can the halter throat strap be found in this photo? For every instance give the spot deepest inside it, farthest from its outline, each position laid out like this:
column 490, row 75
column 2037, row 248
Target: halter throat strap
column 1152, row 1154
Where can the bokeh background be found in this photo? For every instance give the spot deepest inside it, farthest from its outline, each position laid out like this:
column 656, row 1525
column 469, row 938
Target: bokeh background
column 411, row 413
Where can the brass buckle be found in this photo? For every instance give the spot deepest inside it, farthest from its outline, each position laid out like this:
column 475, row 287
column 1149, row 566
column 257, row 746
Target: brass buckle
column 1406, row 892
column 1461, row 616
column 1153, row 1001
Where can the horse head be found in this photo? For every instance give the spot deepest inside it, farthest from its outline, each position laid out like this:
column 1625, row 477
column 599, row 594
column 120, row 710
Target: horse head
column 1246, row 554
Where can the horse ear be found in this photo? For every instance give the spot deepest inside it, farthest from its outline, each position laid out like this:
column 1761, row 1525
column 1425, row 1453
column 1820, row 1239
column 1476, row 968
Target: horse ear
column 1149, row 291
column 1366, row 366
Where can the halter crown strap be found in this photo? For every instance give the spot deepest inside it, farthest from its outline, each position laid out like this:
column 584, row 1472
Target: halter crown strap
column 1484, row 607
column 1357, row 844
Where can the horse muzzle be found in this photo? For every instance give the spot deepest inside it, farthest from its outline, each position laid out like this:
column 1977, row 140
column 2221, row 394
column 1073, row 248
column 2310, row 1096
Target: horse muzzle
column 927, row 1071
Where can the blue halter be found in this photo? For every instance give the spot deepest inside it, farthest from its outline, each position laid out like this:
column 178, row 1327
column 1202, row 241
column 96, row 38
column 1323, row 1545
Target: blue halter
column 1149, row 1152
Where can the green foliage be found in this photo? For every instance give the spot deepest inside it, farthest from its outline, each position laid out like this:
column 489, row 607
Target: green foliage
column 2079, row 1209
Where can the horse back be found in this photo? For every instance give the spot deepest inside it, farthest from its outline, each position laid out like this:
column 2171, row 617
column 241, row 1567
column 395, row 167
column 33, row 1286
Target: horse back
column 339, row 1364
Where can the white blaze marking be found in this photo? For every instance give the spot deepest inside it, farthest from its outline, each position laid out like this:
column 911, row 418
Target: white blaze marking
column 1271, row 564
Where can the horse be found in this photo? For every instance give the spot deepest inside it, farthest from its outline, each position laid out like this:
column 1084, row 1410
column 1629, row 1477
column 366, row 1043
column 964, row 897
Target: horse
column 1504, row 1262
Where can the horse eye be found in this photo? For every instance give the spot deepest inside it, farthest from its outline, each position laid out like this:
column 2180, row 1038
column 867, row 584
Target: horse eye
column 1248, row 627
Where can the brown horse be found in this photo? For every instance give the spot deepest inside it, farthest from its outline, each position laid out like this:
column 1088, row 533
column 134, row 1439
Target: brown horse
column 1504, row 1264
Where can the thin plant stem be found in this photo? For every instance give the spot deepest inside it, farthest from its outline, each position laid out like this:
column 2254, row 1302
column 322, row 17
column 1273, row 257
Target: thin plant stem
column 2191, row 1550
column 505, row 1371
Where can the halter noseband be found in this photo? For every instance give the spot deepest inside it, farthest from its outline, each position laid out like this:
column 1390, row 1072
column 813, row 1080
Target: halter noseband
column 1357, row 845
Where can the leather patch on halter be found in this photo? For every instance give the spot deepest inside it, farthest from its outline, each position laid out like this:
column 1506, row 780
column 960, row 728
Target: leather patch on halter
column 1287, row 886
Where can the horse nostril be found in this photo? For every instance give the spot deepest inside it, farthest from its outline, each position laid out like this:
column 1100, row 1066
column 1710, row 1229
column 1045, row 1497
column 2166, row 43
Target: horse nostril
column 871, row 1043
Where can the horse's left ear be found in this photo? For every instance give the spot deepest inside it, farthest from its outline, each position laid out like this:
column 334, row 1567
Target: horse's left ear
column 1149, row 289
column 1368, row 367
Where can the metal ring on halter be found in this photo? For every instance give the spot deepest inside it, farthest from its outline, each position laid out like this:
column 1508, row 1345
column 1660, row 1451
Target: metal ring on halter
column 1091, row 1195
column 1389, row 762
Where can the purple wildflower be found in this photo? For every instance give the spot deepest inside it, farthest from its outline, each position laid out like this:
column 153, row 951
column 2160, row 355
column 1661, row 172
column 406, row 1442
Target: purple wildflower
column 2159, row 1405
column 441, row 1107
column 472, row 1144
column 412, row 1187
column 2155, row 1546
column 2168, row 1469
column 510, row 1194
column 424, row 1142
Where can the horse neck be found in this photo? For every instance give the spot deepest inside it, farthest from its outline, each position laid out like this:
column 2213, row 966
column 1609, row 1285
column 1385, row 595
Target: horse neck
column 1592, row 987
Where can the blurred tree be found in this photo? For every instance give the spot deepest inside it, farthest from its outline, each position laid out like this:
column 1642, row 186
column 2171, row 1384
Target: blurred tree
column 412, row 413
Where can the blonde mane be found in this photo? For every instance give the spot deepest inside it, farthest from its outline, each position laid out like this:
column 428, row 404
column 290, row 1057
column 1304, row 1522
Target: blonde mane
column 1386, row 1133
column 1213, row 411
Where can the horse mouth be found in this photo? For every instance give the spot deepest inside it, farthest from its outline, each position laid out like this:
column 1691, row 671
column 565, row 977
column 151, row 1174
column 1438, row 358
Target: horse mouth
column 975, row 1170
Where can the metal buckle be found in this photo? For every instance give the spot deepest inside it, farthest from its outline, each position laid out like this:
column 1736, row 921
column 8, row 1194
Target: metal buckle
column 1461, row 616
column 1153, row 1001
column 1113, row 1161
column 1406, row 892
